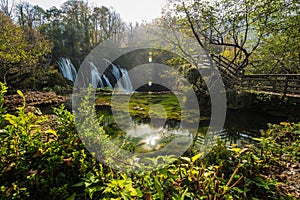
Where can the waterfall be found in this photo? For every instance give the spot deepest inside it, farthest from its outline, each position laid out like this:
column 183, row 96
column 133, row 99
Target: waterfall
column 127, row 86
column 118, row 72
column 124, row 84
column 107, row 82
column 95, row 76
column 97, row 79
column 67, row 69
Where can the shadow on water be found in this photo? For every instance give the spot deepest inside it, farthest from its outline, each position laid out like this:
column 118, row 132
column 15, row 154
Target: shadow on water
column 241, row 126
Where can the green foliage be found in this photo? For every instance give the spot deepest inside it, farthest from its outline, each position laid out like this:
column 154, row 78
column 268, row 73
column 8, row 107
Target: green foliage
column 3, row 90
column 260, row 36
column 22, row 52
column 278, row 52
column 38, row 160
column 42, row 162
column 281, row 143
column 19, row 143
column 77, row 27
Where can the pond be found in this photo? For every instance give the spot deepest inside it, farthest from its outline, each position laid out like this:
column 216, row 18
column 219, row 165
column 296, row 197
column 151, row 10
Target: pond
column 148, row 121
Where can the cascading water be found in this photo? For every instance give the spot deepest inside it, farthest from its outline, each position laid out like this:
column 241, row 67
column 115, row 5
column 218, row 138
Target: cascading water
column 124, row 84
column 67, row 69
column 126, row 80
column 116, row 72
column 98, row 80
column 95, row 77
column 107, row 82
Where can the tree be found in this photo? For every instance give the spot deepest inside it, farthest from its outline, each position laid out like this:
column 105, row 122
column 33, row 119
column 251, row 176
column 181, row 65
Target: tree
column 235, row 29
column 279, row 51
column 4, row 7
column 29, row 16
column 76, row 28
column 20, row 57
column 99, row 18
column 107, row 23
column 52, row 28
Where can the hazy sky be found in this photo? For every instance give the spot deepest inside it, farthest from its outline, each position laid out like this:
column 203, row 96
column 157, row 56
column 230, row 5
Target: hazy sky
column 130, row 10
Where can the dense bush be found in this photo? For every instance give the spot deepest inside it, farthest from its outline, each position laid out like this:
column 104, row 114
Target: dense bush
column 43, row 160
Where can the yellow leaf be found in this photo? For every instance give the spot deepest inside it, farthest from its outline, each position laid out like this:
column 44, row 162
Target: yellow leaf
column 196, row 157
column 236, row 149
column 285, row 123
column 20, row 93
column 186, row 159
column 12, row 119
column 53, row 132
column 133, row 192
column 257, row 139
column 259, row 161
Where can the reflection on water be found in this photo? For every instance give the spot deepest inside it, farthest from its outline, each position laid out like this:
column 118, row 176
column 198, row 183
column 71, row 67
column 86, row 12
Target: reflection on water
column 148, row 137
column 150, row 127
column 151, row 134
column 151, row 121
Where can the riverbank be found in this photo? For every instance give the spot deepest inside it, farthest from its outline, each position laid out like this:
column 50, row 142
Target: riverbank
column 275, row 105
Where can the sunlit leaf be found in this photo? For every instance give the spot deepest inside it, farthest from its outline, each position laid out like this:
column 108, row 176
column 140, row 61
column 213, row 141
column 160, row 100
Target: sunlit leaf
column 196, row 157
column 20, row 93
column 53, row 132
column 186, row 159
column 236, row 149
column 259, row 161
column 257, row 139
column 285, row 123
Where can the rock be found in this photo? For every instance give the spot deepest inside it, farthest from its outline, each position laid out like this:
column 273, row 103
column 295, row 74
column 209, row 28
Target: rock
column 33, row 98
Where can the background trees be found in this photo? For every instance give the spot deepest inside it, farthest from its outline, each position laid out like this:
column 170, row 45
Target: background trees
column 32, row 39
column 21, row 52
column 4, row 7
column 76, row 28
column 279, row 50
column 261, row 35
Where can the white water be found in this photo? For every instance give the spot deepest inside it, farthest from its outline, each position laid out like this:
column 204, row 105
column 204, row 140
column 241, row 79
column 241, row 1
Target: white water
column 107, row 82
column 120, row 75
column 127, row 86
column 95, row 76
column 98, row 80
column 67, row 69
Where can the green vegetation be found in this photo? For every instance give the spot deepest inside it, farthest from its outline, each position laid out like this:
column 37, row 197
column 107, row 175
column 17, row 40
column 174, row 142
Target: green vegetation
column 258, row 36
column 255, row 36
column 140, row 104
column 43, row 157
column 22, row 54
column 32, row 39
column 38, row 158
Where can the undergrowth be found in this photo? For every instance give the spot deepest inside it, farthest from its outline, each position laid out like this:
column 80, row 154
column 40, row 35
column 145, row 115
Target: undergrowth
column 52, row 163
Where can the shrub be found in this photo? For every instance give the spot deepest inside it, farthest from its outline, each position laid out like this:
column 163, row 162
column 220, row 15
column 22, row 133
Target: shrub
column 52, row 163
